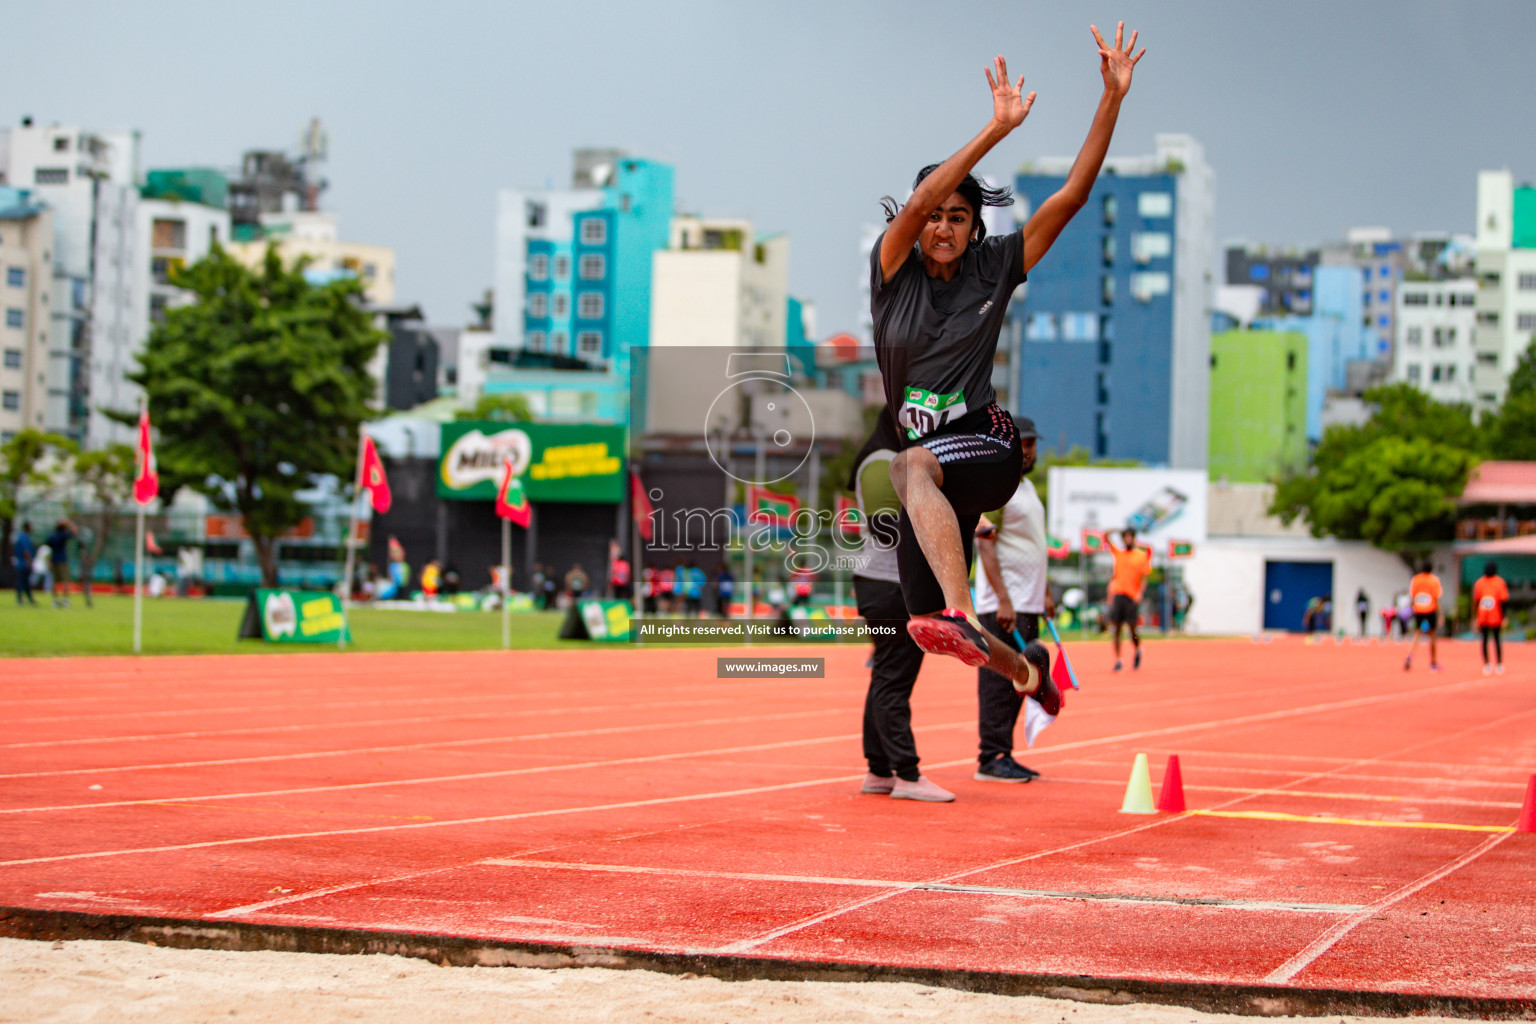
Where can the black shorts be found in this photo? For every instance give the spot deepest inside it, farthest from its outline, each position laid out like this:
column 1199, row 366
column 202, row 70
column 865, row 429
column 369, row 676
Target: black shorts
column 982, row 464
column 1123, row 609
column 1424, row 622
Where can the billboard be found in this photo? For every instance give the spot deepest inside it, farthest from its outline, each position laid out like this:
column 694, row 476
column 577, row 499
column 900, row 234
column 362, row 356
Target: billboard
column 1160, row 504
column 556, row 461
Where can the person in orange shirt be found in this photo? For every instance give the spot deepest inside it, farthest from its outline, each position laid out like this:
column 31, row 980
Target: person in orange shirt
column 1489, row 595
column 1424, row 594
column 1132, row 564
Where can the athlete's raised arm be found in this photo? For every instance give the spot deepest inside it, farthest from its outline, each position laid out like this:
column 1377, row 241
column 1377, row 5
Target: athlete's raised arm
column 1009, row 108
column 1116, row 64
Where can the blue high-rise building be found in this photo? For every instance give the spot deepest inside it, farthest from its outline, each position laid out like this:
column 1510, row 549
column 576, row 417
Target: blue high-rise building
column 1114, row 326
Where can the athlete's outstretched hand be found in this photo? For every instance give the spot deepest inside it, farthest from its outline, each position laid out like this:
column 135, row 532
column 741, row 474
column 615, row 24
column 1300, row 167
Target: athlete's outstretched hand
column 1009, row 108
column 1116, row 62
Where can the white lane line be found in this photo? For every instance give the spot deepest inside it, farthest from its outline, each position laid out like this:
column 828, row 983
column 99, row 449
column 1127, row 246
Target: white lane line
column 433, row 744
column 585, row 709
column 1196, row 902
column 294, row 791
column 747, row 945
column 1326, row 941
column 465, row 777
column 482, row 820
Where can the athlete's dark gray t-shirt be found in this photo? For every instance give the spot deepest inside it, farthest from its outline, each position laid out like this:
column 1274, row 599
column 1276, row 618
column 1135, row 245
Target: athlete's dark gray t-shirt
column 935, row 340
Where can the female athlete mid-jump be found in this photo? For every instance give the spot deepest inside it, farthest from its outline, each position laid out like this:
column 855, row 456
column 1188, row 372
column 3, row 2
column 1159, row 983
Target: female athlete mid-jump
column 939, row 294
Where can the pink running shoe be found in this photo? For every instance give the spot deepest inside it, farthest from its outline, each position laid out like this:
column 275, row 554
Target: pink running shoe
column 949, row 632
column 923, row 790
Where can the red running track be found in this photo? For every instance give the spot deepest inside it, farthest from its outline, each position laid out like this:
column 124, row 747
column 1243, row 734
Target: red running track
column 1351, row 825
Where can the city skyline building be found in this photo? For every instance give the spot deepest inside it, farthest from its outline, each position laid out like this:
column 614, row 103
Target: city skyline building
column 1258, row 404
column 1435, row 351
column 718, row 284
column 26, row 263
column 1115, row 321
column 1506, row 277
column 83, row 176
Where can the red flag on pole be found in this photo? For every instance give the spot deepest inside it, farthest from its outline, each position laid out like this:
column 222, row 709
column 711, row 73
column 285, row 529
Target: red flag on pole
column 640, row 505
column 370, row 476
column 146, row 482
column 511, row 501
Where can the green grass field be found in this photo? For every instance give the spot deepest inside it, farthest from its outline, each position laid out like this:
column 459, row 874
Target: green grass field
column 209, row 625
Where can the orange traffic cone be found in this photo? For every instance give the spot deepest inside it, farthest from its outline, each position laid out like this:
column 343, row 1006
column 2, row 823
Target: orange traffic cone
column 1528, row 812
column 1171, row 796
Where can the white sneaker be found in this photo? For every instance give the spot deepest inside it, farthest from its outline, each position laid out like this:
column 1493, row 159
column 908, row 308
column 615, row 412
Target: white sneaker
column 922, row 789
column 1499, row 669
column 1487, row 670
column 880, row 785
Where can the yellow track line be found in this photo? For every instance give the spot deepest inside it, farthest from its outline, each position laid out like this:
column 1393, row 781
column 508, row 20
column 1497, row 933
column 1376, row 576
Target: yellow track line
column 1276, row 816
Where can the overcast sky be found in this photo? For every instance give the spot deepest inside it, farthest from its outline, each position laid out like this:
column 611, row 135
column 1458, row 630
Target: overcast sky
column 798, row 114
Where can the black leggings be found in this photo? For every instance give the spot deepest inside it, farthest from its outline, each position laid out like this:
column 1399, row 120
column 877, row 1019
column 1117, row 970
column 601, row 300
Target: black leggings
column 1498, row 643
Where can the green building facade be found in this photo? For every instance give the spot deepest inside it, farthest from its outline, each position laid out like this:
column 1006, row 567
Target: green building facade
column 1258, row 404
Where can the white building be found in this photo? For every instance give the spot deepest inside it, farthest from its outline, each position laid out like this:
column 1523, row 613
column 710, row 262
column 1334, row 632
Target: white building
column 715, row 285
column 1254, row 573
column 77, row 174
column 26, row 263
column 1506, row 274
column 139, row 244
column 1435, row 325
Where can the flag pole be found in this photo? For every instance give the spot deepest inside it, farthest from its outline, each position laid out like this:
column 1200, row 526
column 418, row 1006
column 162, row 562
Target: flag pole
column 351, row 542
column 138, row 581
column 506, row 584
column 637, row 547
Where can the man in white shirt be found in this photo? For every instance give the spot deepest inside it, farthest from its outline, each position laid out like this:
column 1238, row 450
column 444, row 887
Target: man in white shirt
column 1011, row 593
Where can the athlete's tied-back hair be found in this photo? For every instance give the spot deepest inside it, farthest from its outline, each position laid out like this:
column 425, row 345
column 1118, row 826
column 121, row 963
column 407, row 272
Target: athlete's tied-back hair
column 971, row 190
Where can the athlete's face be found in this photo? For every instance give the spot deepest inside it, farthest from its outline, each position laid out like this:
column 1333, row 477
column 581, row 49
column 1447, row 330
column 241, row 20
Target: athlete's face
column 947, row 233
column 1027, row 446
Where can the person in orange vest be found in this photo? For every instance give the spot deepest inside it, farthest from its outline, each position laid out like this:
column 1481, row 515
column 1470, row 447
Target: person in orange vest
column 1489, row 595
column 1424, row 594
column 1132, row 564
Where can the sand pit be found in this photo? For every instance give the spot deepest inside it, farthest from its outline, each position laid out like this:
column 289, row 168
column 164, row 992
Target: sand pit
column 126, row 982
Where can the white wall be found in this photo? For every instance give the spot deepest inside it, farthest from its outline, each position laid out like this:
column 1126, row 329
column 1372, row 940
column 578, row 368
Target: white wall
column 1194, row 275
column 1226, row 579
column 1424, row 320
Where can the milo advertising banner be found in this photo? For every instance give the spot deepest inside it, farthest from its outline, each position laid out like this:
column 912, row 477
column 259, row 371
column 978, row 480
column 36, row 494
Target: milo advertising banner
column 556, row 461
column 597, row 620
column 294, row 617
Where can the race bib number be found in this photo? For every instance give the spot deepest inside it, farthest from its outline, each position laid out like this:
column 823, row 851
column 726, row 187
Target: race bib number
column 923, row 412
column 1488, row 604
column 1423, row 602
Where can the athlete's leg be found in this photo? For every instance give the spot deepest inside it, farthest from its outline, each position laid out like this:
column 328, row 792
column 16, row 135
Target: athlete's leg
column 925, row 598
column 917, row 477
column 1498, row 643
column 1487, row 631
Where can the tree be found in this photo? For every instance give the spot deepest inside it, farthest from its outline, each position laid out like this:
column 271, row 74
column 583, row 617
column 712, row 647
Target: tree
column 30, row 459
column 259, row 388
column 1512, row 429
column 499, row 408
column 1393, row 480
column 107, row 475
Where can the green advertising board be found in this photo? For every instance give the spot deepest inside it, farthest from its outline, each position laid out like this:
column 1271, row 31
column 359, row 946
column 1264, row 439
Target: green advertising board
column 597, row 620
column 578, row 462
column 294, row 617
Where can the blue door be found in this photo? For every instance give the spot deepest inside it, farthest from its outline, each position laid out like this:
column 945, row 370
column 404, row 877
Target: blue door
column 1288, row 586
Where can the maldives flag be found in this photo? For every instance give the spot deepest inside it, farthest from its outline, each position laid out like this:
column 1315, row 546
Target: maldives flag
column 1093, row 542
column 1180, row 549
column 146, row 482
column 850, row 518
column 1055, row 547
column 765, row 506
column 370, row 476
column 511, row 501
column 640, row 505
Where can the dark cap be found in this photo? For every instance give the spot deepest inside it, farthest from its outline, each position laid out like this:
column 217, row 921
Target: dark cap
column 1025, row 426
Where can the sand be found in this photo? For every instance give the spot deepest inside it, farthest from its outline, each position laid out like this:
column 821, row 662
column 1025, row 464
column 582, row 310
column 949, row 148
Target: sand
column 78, row 982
